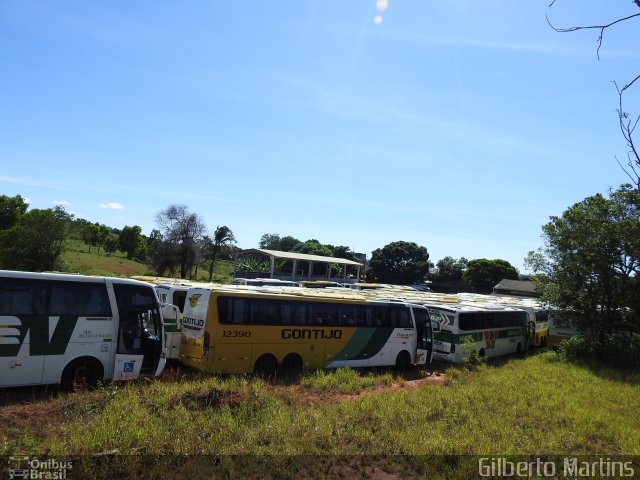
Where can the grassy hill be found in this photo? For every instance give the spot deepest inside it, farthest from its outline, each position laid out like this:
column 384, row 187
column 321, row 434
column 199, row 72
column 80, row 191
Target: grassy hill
column 80, row 258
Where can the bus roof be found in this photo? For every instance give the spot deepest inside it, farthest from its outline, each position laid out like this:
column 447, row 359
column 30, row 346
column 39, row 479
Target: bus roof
column 68, row 277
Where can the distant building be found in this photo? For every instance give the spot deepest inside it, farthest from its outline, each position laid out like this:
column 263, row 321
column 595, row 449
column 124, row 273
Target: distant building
column 516, row 288
column 295, row 266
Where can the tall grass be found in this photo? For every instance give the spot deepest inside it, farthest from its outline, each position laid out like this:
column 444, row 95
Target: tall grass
column 344, row 380
column 533, row 406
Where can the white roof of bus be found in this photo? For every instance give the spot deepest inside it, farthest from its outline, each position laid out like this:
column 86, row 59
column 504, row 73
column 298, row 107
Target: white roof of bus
column 68, row 277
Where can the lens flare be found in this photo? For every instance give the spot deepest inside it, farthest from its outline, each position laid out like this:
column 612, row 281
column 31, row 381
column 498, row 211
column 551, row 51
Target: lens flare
column 382, row 5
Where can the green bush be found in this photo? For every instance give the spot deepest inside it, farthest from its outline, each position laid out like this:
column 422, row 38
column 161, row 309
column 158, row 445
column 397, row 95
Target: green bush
column 472, row 359
column 615, row 350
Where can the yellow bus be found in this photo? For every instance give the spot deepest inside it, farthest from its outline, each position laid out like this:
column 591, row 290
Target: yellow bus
column 235, row 331
column 538, row 335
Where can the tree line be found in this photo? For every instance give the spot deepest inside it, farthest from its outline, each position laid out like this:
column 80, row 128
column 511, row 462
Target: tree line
column 35, row 240
column 589, row 268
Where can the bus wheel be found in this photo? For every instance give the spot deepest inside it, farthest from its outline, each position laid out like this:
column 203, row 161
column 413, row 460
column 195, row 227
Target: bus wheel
column 481, row 353
column 266, row 365
column 518, row 349
column 292, row 364
column 81, row 372
column 403, row 360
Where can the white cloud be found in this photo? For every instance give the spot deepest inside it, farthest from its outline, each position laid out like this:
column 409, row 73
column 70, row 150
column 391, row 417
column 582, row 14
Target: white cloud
column 112, row 206
column 60, row 202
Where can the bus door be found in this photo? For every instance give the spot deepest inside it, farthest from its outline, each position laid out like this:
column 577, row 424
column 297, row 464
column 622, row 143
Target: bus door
column 140, row 347
column 172, row 319
column 424, row 344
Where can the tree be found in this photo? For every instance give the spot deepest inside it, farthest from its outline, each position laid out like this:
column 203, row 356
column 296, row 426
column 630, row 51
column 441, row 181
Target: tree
column 95, row 235
column 36, row 241
column 289, row 243
column 590, row 266
column 482, row 274
column 341, row 251
column 11, row 209
column 313, row 247
column 163, row 255
column 450, row 270
column 400, row 263
column 626, row 121
column 111, row 244
column 222, row 240
column 132, row 242
column 180, row 231
column 270, row 241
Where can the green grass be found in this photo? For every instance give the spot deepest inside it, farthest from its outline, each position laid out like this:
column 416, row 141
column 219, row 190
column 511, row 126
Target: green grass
column 80, row 258
column 344, row 380
column 532, row 406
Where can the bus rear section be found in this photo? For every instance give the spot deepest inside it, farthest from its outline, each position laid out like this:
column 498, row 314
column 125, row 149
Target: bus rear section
column 539, row 331
column 74, row 329
column 228, row 331
column 560, row 329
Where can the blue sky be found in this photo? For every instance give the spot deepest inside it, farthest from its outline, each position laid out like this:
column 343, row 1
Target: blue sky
column 459, row 125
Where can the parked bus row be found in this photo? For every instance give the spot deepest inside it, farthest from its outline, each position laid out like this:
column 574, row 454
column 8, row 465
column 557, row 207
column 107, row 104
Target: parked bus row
column 496, row 329
column 61, row 328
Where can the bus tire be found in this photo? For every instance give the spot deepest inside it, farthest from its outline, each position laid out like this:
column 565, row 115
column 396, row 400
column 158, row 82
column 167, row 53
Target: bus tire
column 292, row 364
column 266, row 365
column 82, row 372
column 481, row 353
column 403, row 360
column 519, row 349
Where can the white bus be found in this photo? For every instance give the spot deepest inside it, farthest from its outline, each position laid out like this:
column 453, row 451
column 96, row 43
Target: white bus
column 495, row 330
column 560, row 329
column 172, row 298
column 228, row 330
column 73, row 329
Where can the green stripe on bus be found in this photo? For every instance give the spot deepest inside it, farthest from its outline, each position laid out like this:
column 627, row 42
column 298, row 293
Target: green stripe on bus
column 449, row 337
column 354, row 345
column 376, row 342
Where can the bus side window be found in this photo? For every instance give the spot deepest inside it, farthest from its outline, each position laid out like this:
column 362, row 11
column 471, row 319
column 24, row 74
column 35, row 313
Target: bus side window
column 323, row 314
column 400, row 317
column 179, row 298
column 129, row 340
column 81, row 299
column 350, row 315
column 17, row 297
column 378, row 317
column 240, row 311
